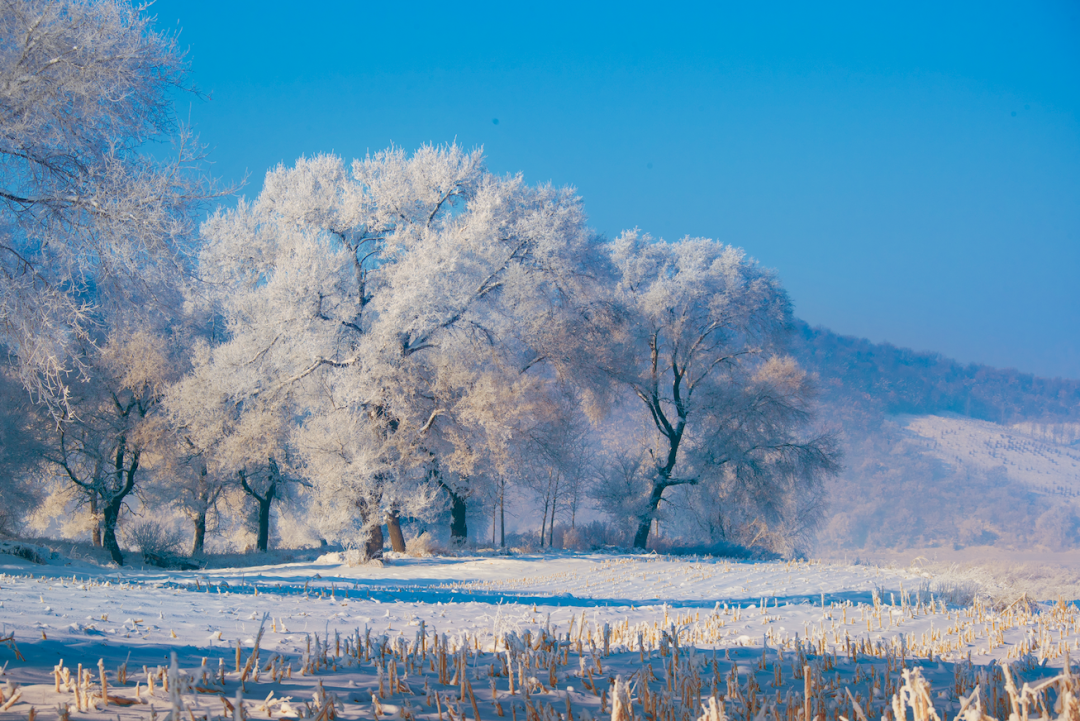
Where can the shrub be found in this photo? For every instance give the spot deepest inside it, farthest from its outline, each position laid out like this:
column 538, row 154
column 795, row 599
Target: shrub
column 154, row 539
column 24, row 551
column 422, row 546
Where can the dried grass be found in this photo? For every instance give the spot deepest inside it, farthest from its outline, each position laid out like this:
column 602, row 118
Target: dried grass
column 422, row 546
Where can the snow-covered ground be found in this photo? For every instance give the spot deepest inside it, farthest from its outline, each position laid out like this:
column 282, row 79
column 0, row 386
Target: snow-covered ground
column 860, row 617
column 1043, row 462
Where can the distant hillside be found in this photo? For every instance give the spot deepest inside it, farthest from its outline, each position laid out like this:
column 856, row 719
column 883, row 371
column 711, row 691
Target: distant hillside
column 899, row 380
column 1037, row 463
column 943, row 453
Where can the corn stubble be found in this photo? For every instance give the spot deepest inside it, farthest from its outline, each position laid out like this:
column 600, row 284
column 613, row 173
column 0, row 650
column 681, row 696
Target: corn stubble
column 680, row 667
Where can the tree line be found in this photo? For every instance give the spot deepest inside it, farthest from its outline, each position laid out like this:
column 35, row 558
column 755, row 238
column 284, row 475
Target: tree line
column 367, row 341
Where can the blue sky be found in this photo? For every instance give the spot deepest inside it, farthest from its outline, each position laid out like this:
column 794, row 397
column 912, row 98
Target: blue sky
column 912, row 171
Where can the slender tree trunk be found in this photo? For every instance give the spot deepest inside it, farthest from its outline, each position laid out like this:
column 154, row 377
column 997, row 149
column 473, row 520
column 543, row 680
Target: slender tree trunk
column 95, row 532
column 393, row 527
column 502, row 514
column 111, row 512
column 554, row 505
column 262, row 539
column 543, row 521
column 262, row 542
column 200, row 533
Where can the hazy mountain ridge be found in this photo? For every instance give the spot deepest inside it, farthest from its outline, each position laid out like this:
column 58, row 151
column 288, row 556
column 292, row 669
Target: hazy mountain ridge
column 885, row 378
column 944, row 453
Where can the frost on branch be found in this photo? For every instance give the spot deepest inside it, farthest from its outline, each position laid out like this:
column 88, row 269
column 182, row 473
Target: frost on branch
column 88, row 219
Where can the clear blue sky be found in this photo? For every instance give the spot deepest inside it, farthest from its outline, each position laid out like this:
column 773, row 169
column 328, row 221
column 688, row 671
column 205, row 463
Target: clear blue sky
column 912, row 171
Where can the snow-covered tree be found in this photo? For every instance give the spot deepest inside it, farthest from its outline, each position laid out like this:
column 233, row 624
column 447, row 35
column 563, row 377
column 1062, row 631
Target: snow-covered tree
column 397, row 316
column 110, row 428
column 238, row 447
column 698, row 341
column 88, row 216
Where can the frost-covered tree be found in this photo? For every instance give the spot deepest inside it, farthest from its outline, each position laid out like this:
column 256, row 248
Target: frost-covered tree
column 232, row 447
column 88, row 215
column 109, row 427
column 197, row 492
column 698, row 342
column 399, row 315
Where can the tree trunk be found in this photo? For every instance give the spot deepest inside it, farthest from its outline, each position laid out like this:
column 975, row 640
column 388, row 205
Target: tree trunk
column 393, row 526
column 459, row 529
column 502, row 515
column 200, row 533
column 263, row 541
column 95, row 532
column 543, row 522
column 645, row 519
column 554, row 505
column 110, row 516
column 374, row 547
column 111, row 513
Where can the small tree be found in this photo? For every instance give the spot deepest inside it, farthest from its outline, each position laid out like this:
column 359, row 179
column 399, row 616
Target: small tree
column 199, row 497
column 100, row 440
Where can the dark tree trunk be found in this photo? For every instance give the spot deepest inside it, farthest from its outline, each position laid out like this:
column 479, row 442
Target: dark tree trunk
column 262, row 543
column 200, row 533
column 502, row 516
column 374, row 548
column 393, row 527
column 554, row 506
column 262, row 540
column 459, row 529
column 645, row 519
column 110, row 516
column 111, row 513
column 543, row 522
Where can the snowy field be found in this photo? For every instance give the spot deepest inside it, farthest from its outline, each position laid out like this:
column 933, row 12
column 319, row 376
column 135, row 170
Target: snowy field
column 527, row 637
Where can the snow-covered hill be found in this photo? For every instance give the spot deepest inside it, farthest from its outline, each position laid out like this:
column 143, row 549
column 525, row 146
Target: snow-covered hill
column 1044, row 459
